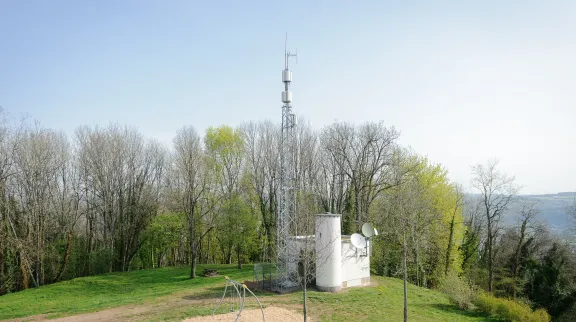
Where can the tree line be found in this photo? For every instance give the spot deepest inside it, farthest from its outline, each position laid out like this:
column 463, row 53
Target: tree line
column 108, row 199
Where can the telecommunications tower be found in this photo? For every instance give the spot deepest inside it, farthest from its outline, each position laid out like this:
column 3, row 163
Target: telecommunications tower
column 287, row 198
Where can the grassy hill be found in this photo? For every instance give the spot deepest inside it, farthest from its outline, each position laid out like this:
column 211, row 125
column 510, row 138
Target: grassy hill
column 167, row 294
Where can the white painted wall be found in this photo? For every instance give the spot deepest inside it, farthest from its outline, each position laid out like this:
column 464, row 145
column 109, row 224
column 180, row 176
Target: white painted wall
column 295, row 245
column 355, row 264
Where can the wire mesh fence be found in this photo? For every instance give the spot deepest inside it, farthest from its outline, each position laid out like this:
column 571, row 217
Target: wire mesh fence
column 264, row 275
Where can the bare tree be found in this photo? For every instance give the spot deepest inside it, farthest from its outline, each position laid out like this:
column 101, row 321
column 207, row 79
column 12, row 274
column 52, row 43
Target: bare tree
column 364, row 157
column 66, row 196
column 305, row 245
column 408, row 211
column 37, row 166
column 474, row 221
column 190, row 184
column 122, row 174
column 8, row 145
column 497, row 191
column 525, row 220
column 307, row 205
column 403, row 210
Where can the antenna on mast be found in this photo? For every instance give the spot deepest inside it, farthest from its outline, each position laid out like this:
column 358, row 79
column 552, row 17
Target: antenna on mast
column 288, row 183
column 287, row 53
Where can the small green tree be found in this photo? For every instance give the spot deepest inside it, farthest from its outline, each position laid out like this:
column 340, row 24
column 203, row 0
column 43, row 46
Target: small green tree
column 237, row 229
column 163, row 235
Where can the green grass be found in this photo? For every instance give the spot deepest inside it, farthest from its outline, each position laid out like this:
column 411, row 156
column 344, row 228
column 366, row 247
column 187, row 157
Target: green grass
column 385, row 303
column 168, row 294
column 93, row 293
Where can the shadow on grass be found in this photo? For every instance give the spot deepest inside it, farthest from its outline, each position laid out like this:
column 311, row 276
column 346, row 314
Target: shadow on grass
column 470, row 314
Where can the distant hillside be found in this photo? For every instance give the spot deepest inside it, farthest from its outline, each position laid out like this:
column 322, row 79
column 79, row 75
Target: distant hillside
column 552, row 209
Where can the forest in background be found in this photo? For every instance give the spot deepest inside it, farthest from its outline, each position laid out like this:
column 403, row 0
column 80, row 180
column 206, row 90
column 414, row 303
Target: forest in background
column 108, row 199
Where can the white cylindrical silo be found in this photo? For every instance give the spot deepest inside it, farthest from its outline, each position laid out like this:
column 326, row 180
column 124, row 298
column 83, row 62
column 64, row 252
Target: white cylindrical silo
column 328, row 253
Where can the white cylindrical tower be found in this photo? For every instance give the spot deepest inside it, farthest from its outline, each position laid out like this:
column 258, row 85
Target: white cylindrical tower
column 328, row 253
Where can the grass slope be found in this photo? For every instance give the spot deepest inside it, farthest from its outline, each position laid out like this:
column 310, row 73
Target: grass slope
column 94, row 293
column 385, row 303
column 159, row 287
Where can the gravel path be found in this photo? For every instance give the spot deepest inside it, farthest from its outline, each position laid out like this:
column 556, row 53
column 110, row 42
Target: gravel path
column 271, row 313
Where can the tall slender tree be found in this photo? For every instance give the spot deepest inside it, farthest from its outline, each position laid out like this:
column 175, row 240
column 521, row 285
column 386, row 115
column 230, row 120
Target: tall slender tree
column 189, row 182
column 497, row 191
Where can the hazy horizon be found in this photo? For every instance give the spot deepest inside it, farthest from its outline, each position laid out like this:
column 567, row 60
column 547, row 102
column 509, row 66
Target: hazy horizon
column 463, row 83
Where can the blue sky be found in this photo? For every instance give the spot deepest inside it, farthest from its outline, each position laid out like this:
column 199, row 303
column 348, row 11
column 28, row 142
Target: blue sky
column 463, row 82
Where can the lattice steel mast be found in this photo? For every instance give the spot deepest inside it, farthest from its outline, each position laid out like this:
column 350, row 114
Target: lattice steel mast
column 287, row 198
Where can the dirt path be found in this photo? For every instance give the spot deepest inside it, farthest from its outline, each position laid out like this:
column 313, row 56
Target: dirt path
column 177, row 303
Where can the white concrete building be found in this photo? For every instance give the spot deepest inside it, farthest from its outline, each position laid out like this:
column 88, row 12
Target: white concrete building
column 338, row 264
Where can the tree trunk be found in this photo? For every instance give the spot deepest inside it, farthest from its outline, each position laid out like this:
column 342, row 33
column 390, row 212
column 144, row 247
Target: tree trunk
column 405, row 271
column 193, row 251
column 517, row 258
column 66, row 257
column 38, row 252
column 2, row 288
column 490, row 268
column 416, row 242
column 159, row 259
column 238, row 251
column 305, row 307
column 449, row 248
column 89, row 247
column 207, row 259
column 25, row 281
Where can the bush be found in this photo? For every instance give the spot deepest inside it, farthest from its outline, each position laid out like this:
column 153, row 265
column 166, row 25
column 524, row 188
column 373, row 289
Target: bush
column 458, row 290
column 568, row 315
column 509, row 310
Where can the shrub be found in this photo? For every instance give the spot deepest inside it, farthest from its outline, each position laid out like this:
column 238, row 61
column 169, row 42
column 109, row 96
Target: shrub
column 568, row 315
column 458, row 290
column 509, row 310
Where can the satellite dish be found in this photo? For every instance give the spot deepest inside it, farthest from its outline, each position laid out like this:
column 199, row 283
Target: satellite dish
column 367, row 230
column 358, row 241
column 375, row 232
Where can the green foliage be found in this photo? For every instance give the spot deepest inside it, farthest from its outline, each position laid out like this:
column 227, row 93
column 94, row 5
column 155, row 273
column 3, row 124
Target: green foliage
column 568, row 315
column 468, row 250
column 460, row 292
column 224, row 139
column 509, row 310
column 552, row 280
column 164, row 233
column 435, row 224
column 237, row 228
column 225, row 146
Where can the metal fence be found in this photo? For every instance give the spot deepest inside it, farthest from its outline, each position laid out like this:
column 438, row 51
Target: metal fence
column 264, row 275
